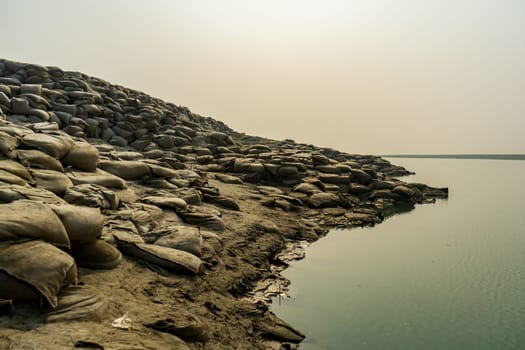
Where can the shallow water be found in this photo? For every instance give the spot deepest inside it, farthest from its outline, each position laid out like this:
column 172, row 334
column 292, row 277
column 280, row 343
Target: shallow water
column 449, row 275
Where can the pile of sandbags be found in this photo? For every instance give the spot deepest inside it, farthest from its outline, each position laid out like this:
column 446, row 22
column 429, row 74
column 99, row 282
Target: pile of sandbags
column 42, row 243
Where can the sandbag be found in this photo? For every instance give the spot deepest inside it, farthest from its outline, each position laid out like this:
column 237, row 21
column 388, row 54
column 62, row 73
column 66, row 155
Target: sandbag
column 19, row 105
column 99, row 177
column 16, row 169
column 92, row 196
column 51, row 180
column 31, row 89
column 171, row 259
column 126, row 169
column 161, row 171
column 190, row 195
column 82, row 224
column 8, row 178
column 202, row 217
column 222, row 201
column 141, row 213
column 323, row 200
column 38, row 159
column 57, row 146
column 229, row 179
column 83, row 156
column 166, row 202
column 10, row 193
column 97, row 254
column 7, row 143
column 30, row 219
column 12, row 286
column 39, row 264
column 79, row 303
column 187, row 240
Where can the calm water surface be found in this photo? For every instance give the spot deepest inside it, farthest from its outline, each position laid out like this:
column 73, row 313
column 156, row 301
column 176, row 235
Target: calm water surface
column 445, row 276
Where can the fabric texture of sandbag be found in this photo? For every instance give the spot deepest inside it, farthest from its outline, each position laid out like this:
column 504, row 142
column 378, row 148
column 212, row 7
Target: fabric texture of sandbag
column 97, row 254
column 39, row 264
column 83, row 156
column 92, row 196
column 202, row 217
column 16, row 169
column 38, row 159
column 57, row 146
column 128, row 170
column 82, row 303
column 30, row 219
column 187, row 240
column 82, row 224
column 171, row 259
column 9, row 178
column 100, row 177
column 7, row 143
column 52, row 180
column 10, row 193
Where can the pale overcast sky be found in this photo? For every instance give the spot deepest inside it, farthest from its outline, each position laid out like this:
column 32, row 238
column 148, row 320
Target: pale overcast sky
column 364, row 76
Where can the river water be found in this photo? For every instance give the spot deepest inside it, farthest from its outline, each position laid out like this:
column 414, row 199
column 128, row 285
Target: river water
column 449, row 275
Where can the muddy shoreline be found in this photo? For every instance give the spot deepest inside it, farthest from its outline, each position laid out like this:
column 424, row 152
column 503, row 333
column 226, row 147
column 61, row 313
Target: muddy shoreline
column 171, row 229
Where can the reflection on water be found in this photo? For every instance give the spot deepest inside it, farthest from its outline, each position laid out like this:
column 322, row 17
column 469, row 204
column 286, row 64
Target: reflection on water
column 449, row 275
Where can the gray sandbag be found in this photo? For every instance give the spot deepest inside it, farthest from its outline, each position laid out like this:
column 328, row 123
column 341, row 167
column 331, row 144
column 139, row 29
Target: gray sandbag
column 82, row 224
column 97, row 254
column 99, row 177
column 92, row 196
column 39, row 264
column 202, row 217
column 35, row 89
column 128, row 170
column 169, row 258
column 19, row 105
column 83, row 156
column 79, row 303
column 38, row 115
column 183, row 239
column 51, row 180
column 30, row 219
column 9, row 178
column 57, row 146
column 38, row 159
column 166, row 202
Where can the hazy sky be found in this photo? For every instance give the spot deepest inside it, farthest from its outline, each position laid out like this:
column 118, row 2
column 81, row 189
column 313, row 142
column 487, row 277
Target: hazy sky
column 366, row 76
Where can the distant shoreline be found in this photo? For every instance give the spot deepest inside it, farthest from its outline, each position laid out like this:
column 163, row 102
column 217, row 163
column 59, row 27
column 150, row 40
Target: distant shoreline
column 461, row 156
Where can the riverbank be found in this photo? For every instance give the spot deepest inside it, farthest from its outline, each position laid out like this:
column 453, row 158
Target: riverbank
column 186, row 216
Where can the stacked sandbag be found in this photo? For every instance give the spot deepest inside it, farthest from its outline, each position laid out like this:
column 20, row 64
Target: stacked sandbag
column 33, row 249
column 33, row 268
column 175, row 260
column 84, row 228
